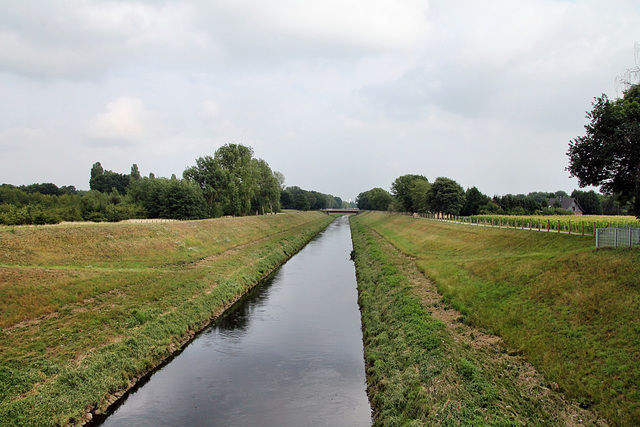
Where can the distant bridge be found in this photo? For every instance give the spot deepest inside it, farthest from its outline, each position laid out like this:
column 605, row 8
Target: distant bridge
column 342, row 211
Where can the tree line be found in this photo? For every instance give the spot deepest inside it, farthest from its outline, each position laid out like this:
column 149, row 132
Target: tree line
column 231, row 182
column 608, row 156
column 415, row 194
column 304, row 200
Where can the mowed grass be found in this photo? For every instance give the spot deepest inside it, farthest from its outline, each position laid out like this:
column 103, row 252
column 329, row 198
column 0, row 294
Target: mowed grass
column 83, row 317
column 572, row 311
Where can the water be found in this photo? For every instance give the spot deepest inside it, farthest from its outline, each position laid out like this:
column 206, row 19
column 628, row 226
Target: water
column 289, row 355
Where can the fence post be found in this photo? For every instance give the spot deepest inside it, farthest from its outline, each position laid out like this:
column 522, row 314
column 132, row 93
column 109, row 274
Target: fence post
column 583, row 228
column 548, row 225
column 558, row 226
column 569, row 226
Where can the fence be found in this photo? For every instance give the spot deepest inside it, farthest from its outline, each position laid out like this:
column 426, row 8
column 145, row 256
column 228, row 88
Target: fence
column 617, row 237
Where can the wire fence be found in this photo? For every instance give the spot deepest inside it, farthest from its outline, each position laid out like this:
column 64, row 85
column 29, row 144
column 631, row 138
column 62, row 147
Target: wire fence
column 617, row 237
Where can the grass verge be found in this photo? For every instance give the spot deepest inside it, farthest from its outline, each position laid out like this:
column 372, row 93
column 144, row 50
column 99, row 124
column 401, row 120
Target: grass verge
column 89, row 309
column 571, row 311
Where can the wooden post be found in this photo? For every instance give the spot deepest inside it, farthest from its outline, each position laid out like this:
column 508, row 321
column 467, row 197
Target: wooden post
column 558, row 226
column 548, row 225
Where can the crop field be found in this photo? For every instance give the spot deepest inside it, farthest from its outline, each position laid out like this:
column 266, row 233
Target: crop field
column 571, row 311
column 575, row 224
column 87, row 309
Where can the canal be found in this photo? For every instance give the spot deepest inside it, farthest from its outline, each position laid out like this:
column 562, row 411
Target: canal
column 290, row 354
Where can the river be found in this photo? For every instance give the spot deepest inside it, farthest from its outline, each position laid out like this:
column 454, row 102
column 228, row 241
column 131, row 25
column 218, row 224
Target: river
column 290, row 354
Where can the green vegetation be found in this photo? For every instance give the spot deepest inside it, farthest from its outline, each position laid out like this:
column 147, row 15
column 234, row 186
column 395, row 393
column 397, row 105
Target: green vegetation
column 576, row 224
column 609, row 154
column 375, row 199
column 414, row 194
column 235, row 183
column 303, row 200
column 410, row 192
column 571, row 311
column 231, row 182
column 87, row 309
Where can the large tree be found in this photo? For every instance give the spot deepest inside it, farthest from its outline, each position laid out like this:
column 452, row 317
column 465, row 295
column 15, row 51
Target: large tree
column 402, row 188
column 419, row 195
column 609, row 154
column 266, row 197
column 228, row 180
column 446, row 196
column 375, row 199
column 589, row 202
column 474, row 201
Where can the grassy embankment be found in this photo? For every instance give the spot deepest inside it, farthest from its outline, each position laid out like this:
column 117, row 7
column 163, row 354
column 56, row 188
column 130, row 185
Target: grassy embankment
column 85, row 310
column 571, row 311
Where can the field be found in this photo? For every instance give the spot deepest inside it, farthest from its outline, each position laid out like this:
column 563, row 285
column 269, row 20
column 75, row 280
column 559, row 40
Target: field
column 87, row 309
column 576, row 224
column 572, row 311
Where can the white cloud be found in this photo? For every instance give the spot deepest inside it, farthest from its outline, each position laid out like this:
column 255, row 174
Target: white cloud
column 125, row 120
column 377, row 88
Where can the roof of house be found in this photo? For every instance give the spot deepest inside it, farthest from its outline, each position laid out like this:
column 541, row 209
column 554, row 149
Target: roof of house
column 566, row 203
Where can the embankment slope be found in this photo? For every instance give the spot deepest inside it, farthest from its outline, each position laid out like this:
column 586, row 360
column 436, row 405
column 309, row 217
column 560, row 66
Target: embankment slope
column 571, row 311
column 87, row 309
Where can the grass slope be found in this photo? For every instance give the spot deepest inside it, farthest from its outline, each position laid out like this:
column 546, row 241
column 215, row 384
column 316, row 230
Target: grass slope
column 88, row 309
column 570, row 310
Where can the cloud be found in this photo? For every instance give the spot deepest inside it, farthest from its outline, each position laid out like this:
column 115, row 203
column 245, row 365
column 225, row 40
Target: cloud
column 87, row 39
column 341, row 96
column 125, row 121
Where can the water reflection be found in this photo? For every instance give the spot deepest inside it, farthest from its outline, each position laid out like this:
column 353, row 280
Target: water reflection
column 289, row 355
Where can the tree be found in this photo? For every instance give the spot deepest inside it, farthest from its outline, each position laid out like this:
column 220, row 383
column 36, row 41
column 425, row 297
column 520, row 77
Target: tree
column 375, row 199
column 609, row 154
column 301, row 202
column 280, row 178
column 106, row 181
column 228, row 180
column 446, row 196
column 588, row 201
column 96, row 170
column 286, row 200
column 401, row 190
column 267, row 194
column 474, row 201
column 418, row 192
column 135, row 172
column 169, row 198
column 212, row 180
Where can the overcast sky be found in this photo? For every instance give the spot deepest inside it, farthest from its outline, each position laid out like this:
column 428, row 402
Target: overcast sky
column 339, row 95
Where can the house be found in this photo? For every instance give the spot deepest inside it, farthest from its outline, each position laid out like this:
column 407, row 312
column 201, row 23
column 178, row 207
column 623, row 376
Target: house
column 568, row 203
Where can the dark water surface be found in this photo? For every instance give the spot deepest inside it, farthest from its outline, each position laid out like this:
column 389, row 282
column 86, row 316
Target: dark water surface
column 289, row 355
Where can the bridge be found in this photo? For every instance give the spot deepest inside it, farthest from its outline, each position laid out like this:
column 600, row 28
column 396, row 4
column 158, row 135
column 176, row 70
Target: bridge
column 342, row 211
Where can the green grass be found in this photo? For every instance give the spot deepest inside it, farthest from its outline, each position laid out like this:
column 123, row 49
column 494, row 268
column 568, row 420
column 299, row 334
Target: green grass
column 425, row 371
column 572, row 311
column 78, row 328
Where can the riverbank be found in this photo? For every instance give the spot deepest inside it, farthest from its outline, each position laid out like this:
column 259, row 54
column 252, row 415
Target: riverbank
column 430, row 364
column 88, row 310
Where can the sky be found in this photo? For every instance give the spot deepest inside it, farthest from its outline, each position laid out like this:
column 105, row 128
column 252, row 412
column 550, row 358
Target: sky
column 341, row 96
